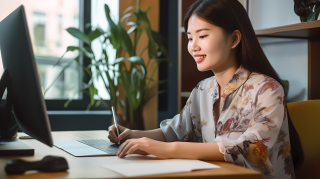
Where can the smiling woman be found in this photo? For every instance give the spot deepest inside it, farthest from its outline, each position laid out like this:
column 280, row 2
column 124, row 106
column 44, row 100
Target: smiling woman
column 211, row 40
column 239, row 115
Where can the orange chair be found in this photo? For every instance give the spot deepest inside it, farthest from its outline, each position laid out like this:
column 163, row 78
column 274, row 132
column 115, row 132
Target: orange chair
column 305, row 116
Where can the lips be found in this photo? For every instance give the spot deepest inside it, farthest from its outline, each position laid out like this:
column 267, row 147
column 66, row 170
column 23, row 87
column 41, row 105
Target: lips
column 200, row 58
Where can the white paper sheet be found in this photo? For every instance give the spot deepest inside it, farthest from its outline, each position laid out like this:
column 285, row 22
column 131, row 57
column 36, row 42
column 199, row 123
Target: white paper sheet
column 153, row 166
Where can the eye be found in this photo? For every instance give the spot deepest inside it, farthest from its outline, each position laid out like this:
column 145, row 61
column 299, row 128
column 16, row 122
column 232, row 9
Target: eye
column 189, row 39
column 201, row 37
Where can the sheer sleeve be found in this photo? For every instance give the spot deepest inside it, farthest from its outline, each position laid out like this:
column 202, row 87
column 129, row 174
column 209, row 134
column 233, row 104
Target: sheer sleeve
column 251, row 148
column 183, row 127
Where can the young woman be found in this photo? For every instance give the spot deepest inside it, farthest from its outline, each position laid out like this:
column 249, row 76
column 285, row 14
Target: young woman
column 239, row 115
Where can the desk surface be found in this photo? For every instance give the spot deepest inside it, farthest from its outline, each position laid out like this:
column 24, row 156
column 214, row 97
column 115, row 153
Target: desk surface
column 90, row 167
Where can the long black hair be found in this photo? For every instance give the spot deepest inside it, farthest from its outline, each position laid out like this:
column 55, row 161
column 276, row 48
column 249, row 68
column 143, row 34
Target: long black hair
column 230, row 15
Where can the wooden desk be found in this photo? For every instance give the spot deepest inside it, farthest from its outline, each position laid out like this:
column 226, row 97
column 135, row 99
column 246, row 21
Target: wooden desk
column 90, row 167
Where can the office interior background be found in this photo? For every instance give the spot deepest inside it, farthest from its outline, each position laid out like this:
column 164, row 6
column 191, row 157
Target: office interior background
column 48, row 20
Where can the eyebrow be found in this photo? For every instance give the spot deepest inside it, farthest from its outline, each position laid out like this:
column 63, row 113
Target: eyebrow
column 199, row 30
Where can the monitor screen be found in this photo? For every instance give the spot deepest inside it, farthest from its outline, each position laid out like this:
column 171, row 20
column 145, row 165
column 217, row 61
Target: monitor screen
column 24, row 84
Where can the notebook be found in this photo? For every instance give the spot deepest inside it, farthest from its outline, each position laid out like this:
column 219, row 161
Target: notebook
column 134, row 165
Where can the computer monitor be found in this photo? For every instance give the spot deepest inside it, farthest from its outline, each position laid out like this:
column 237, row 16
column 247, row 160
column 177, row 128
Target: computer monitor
column 20, row 71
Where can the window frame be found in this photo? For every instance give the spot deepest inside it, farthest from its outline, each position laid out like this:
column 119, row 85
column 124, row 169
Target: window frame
column 77, row 104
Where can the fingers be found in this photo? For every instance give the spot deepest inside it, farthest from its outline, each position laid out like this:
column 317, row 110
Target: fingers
column 132, row 146
column 141, row 152
column 135, row 149
column 121, row 128
column 124, row 134
column 112, row 139
column 125, row 147
column 132, row 149
column 121, row 151
column 112, row 134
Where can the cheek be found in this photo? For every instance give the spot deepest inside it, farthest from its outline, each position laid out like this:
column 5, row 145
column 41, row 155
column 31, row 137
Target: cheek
column 212, row 45
column 215, row 48
column 189, row 48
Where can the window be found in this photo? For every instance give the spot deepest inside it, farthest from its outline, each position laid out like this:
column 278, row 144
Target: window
column 39, row 28
column 59, row 15
column 60, row 29
column 47, row 23
column 98, row 19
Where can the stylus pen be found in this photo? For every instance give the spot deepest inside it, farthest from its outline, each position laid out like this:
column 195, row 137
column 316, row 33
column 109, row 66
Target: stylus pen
column 115, row 123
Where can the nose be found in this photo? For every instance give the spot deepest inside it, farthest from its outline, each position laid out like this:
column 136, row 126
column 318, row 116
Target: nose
column 194, row 47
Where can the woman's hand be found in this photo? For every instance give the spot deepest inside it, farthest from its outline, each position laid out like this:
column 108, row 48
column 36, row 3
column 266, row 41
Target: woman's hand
column 124, row 134
column 145, row 146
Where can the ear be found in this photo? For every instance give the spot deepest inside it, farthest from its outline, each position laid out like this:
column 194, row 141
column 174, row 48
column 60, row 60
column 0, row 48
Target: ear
column 236, row 38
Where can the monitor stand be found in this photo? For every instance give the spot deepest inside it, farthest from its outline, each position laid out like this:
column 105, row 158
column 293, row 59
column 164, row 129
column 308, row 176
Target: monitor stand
column 8, row 124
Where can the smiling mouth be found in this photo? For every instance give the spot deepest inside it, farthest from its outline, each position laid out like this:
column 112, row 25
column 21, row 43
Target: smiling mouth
column 199, row 58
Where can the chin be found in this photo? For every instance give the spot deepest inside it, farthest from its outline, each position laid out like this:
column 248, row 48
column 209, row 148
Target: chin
column 202, row 68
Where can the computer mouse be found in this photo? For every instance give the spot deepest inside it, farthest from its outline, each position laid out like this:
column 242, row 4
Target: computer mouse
column 47, row 164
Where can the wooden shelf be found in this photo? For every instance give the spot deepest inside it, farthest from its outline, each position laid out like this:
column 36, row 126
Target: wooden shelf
column 304, row 30
column 300, row 30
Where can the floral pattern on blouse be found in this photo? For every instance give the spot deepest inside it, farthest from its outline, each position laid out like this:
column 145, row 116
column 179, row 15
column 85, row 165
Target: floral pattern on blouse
column 252, row 130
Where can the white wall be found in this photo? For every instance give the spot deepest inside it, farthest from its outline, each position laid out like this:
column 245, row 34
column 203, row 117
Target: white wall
column 272, row 13
column 289, row 58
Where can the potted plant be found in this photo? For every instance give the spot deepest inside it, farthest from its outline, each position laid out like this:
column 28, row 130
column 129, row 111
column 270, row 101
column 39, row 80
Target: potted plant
column 129, row 68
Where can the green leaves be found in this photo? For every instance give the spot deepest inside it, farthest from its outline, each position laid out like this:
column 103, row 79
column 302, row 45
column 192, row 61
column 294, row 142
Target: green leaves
column 143, row 18
column 119, row 36
column 133, row 28
column 83, row 37
column 135, row 79
column 94, row 34
column 92, row 91
column 78, row 34
column 134, row 82
column 137, row 60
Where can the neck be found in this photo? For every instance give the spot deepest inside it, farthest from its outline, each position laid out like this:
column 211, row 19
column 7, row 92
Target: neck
column 225, row 74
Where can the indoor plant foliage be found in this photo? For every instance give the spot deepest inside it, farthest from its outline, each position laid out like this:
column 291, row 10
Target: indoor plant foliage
column 128, row 68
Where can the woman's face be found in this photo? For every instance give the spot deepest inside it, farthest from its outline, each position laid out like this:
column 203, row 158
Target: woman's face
column 209, row 45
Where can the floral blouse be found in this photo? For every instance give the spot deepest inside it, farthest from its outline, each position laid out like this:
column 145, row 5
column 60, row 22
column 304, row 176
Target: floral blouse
column 252, row 130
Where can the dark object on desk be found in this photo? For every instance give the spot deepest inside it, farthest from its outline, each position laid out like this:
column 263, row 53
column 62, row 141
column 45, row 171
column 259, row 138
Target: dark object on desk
column 304, row 8
column 47, row 164
column 8, row 123
column 25, row 102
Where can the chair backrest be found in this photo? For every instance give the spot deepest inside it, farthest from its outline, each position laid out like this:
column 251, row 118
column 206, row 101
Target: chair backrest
column 305, row 116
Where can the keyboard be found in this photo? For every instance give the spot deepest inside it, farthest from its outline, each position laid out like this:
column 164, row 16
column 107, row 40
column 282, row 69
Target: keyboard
column 101, row 144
